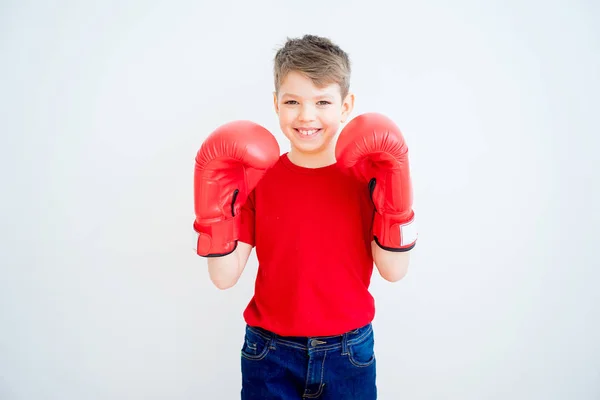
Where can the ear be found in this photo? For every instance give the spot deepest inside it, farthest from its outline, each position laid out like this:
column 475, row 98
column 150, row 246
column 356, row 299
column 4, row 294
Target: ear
column 275, row 102
column 347, row 107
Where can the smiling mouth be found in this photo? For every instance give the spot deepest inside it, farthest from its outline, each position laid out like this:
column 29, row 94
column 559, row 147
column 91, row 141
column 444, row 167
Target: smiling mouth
column 307, row 132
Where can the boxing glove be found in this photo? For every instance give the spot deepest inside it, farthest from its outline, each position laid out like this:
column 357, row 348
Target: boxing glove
column 229, row 165
column 373, row 150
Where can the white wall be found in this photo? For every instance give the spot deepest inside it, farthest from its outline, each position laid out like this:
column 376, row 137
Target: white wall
column 104, row 104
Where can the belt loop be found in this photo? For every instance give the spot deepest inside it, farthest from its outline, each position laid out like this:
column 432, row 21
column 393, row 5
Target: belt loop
column 272, row 341
column 345, row 344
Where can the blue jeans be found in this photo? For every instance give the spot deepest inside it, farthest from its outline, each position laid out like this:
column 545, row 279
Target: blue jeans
column 326, row 368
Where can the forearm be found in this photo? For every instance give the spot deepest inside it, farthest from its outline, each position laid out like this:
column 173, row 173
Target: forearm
column 392, row 266
column 224, row 271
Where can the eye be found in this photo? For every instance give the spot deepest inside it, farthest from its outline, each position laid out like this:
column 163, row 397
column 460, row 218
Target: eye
column 291, row 102
column 323, row 103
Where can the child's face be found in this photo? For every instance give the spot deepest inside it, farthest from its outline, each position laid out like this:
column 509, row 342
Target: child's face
column 310, row 116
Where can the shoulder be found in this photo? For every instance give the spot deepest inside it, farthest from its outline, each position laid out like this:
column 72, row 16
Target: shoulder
column 274, row 174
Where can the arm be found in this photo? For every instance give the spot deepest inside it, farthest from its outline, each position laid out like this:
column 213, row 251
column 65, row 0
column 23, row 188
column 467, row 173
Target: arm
column 372, row 147
column 392, row 266
column 225, row 271
column 228, row 167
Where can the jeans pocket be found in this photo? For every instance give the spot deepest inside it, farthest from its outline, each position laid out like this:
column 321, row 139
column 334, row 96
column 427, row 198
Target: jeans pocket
column 362, row 353
column 256, row 345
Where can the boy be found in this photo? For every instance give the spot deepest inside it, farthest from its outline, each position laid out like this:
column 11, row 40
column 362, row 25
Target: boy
column 319, row 216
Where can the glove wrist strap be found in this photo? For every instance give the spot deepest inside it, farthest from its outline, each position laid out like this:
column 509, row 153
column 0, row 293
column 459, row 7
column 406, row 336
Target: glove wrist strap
column 395, row 232
column 217, row 239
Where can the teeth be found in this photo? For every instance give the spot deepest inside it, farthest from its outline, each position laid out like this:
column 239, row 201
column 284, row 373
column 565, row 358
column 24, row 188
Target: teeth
column 307, row 132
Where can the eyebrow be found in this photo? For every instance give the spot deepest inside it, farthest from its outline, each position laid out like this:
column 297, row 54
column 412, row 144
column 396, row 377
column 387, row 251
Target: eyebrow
column 323, row 96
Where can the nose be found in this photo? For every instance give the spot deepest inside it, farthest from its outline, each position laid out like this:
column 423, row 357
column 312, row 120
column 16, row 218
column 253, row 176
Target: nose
column 307, row 113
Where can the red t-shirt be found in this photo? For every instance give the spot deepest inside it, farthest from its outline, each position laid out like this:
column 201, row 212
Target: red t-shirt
column 312, row 232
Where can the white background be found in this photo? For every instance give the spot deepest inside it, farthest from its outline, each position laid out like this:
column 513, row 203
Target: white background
column 104, row 105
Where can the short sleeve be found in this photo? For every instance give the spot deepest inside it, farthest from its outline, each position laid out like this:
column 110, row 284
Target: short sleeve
column 247, row 220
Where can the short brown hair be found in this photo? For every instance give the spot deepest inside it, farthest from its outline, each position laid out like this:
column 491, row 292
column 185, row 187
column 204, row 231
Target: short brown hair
column 317, row 58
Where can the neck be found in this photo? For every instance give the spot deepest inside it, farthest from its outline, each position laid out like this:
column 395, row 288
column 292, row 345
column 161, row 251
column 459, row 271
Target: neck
column 317, row 160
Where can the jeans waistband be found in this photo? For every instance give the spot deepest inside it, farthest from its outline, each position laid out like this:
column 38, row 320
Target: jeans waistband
column 316, row 342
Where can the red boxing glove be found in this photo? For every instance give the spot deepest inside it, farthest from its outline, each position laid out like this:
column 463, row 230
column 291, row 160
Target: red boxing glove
column 229, row 165
column 373, row 148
